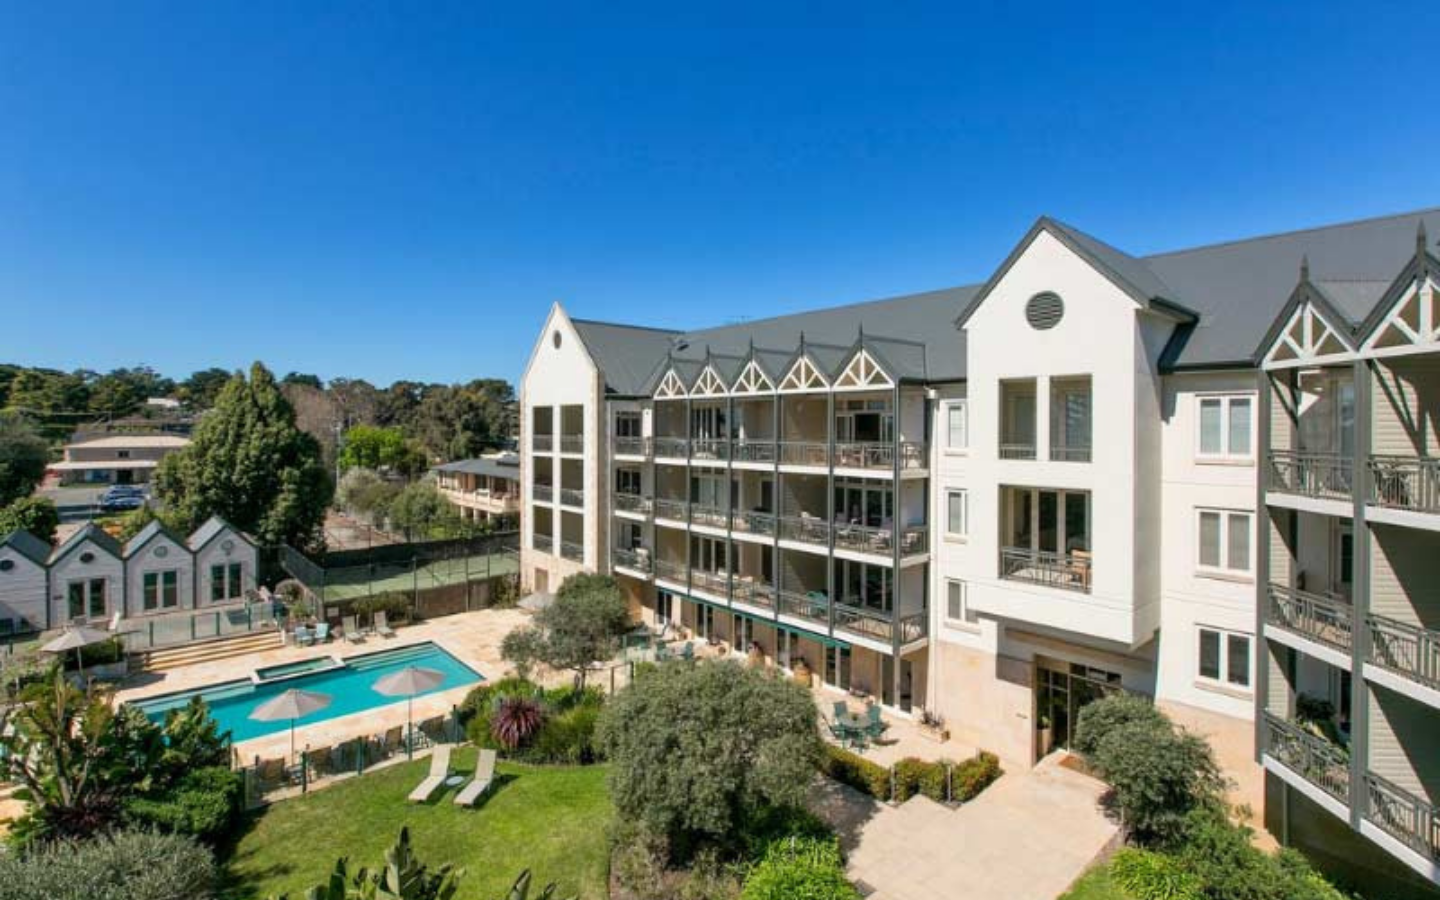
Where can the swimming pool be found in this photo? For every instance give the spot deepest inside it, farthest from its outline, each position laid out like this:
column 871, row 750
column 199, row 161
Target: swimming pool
column 350, row 684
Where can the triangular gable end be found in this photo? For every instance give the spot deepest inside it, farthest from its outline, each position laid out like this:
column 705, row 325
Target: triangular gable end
column 709, row 384
column 1411, row 324
column 863, row 373
column 672, row 385
column 803, row 376
column 1308, row 338
column 753, row 380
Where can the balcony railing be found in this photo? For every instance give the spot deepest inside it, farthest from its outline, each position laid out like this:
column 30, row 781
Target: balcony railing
column 713, row 516
column 1325, row 620
column 542, row 493
column 865, row 455
column 1409, row 819
column 753, row 592
column 632, row 446
column 671, row 447
column 636, row 560
column 804, row 453
column 710, row 448
column 756, row 451
column 572, row 551
column 1406, row 649
column 572, row 443
column 1010, row 450
column 572, row 497
column 869, row 539
column 869, row 623
column 670, row 570
column 805, row 531
column 812, row 607
column 544, row 543
column 1069, row 571
column 1315, row 759
column 914, row 626
column 1405, row 482
column 1324, row 476
column 633, row 503
column 542, row 443
column 678, row 510
column 761, row 523
column 716, row 583
column 1070, row 454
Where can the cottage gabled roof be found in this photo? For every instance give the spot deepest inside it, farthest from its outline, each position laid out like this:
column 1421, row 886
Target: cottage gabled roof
column 211, row 529
column 145, row 535
column 27, row 545
column 93, row 533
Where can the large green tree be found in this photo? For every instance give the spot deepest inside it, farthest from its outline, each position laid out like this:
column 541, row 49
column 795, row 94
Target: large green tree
column 249, row 463
column 374, row 447
column 121, row 392
column 201, row 388
column 36, row 515
column 419, row 511
column 581, row 627
column 696, row 750
column 23, row 457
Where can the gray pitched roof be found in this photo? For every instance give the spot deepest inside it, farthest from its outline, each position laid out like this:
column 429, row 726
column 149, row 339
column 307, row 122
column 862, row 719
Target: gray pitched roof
column 212, row 528
column 625, row 354
column 28, row 545
column 93, row 533
column 146, row 534
column 485, row 465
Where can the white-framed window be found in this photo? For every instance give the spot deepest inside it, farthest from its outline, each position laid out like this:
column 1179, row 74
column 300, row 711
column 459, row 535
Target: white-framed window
column 957, row 425
column 1226, row 426
column 957, row 603
column 957, row 512
column 1224, row 657
column 1223, row 544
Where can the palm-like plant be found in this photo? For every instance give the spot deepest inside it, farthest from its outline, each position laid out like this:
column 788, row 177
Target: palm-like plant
column 516, row 720
column 521, row 890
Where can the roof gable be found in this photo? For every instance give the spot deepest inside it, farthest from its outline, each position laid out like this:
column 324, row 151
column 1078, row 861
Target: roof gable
column 94, row 535
column 212, row 528
column 149, row 533
column 27, row 545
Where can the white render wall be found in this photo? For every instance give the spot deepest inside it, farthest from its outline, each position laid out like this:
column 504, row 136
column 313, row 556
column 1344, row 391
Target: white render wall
column 224, row 548
column 160, row 554
column 70, row 568
column 22, row 589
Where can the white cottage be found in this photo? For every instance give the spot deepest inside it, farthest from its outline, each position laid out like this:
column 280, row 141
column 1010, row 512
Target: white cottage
column 23, row 579
column 159, row 572
column 226, row 561
column 87, row 577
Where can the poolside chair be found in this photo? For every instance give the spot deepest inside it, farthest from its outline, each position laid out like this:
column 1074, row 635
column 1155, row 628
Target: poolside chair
column 382, row 627
column 874, row 725
column 319, row 762
column 303, row 636
column 352, row 631
column 484, row 777
column 322, row 633
column 439, row 771
column 270, row 772
column 841, row 709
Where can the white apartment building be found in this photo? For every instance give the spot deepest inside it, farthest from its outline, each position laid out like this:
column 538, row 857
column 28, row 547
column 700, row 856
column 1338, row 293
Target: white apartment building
column 998, row 502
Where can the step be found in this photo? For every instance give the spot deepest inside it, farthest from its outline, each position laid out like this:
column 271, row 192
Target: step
column 224, row 648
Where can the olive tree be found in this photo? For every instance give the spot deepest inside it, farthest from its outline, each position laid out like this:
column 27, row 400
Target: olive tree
column 580, row 628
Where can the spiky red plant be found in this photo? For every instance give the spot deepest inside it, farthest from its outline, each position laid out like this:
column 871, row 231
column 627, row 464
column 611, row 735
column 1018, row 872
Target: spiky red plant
column 515, row 721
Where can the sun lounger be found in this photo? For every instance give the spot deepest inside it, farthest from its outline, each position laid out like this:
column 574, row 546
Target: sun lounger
column 352, row 631
column 484, row 776
column 382, row 627
column 439, row 771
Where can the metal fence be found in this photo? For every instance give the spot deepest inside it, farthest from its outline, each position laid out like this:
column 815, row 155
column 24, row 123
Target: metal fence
column 176, row 629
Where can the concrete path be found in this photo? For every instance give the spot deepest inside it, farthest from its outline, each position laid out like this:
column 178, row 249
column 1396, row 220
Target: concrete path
column 1027, row 837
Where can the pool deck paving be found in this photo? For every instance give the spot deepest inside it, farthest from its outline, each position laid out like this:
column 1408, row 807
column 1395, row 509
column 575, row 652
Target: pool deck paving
column 473, row 638
column 1027, row 837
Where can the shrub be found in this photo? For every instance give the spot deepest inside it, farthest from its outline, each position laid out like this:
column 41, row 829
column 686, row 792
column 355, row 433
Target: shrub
column 204, row 803
column 1157, row 775
column 482, row 698
column 1103, row 716
column 395, row 606
column 857, row 772
column 916, row 776
column 516, row 720
column 974, row 775
column 126, row 865
column 1227, row 863
column 800, row 869
column 773, row 824
column 1146, row 875
column 568, row 737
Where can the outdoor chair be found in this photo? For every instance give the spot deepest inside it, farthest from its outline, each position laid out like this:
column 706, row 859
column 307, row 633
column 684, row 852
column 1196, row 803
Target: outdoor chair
column 270, row 772
column 304, row 637
column 484, row 777
column 687, row 652
column 322, row 633
column 352, row 631
column 318, row 761
column 874, row 725
column 382, row 627
column 439, row 771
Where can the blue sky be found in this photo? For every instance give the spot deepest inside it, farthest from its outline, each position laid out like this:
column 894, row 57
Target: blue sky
column 400, row 191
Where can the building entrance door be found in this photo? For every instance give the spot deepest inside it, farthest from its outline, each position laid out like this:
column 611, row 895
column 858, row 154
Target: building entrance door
column 1061, row 691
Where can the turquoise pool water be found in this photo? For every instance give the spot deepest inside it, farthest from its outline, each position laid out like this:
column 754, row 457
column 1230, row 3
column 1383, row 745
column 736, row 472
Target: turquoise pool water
column 350, row 686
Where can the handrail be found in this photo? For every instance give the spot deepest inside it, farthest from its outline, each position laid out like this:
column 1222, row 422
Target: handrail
column 865, row 455
column 713, row 582
column 1324, row 620
column 1316, row 760
column 670, row 570
column 804, row 453
column 572, row 443
column 677, row 510
column 671, row 447
column 805, row 531
column 753, row 592
column 544, row 543
column 866, row 622
column 1073, row 453
column 1406, row 649
column 1409, row 819
column 572, row 497
column 712, row 516
column 634, row 503
column 542, row 443
column 761, row 450
column 572, row 551
column 631, row 559
column 1068, row 571
column 1405, row 482
column 542, row 493
column 710, row 448
column 632, row 446
column 753, row 522
column 1310, row 474
column 1010, row 450
column 810, row 607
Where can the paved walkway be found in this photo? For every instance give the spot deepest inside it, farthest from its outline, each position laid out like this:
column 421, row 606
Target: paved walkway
column 1027, row 837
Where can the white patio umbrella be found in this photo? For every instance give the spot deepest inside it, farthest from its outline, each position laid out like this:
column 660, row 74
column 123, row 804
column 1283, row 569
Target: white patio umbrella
column 408, row 682
column 293, row 704
column 76, row 637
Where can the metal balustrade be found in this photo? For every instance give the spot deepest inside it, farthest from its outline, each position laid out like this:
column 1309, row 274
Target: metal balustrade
column 632, row 446
column 670, row 570
column 914, row 626
column 717, row 583
column 1325, row 620
column 752, row 592
column 710, row 448
column 572, row 497
column 677, row 510
column 870, row 623
column 805, row 453
column 572, row 443
column 805, row 531
column 755, row 451
column 1325, row 476
column 712, row 516
column 542, row 493
column 1313, row 758
column 1070, row 454
column 633, row 503
column 1405, row 482
column 761, row 523
column 544, row 543
column 636, row 560
column 864, row 539
column 1017, row 451
column 1405, row 649
column 671, row 447
column 1068, row 571
column 1411, row 820
column 572, row 551
column 812, row 607
column 542, row 443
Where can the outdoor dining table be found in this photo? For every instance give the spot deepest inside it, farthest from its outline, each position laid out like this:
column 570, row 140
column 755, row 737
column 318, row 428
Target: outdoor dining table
column 853, row 727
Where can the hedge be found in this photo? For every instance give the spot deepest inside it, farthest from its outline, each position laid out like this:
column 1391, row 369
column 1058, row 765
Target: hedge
column 857, row 772
column 913, row 776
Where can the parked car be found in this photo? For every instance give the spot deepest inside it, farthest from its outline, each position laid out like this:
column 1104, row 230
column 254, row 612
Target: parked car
column 121, row 497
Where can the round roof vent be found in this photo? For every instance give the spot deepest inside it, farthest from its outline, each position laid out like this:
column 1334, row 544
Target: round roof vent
column 162, row 551
column 6, row 565
column 1044, row 310
column 87, row 557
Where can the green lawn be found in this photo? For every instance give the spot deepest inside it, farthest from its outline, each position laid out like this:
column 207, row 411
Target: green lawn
column 1095, row 885
column 550, row 819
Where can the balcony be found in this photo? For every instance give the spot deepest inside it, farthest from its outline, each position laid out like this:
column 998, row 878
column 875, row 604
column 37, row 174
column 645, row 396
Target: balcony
column 757, row 523
column 675, row 510
column 751, row 451
column 805, row 530
column 572, row 497
column 1407, row 818
column 1405, row 649
column 813, row 607
column 1069, row 454
column 632, row 446
column 1324, row 620
column 866, row 539
column 544, row 543
column 1067, row 571
column 715, row 449
column 754, row 593
column 634, row 503
column 572, row 443
column 542, row 493
column 671, row 447
column 805, row 453
column 711, row 516
column 636, row 560
column 1017, row 450
column 879, row 626
column 1405, row 482
column 1322, row 476
column 670, row 570
column 880, row 456
column 713, row 583
column 1314, row 759
column 542, row 443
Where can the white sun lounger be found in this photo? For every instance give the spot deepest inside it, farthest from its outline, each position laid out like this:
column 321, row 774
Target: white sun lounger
column 484, row 775
column 382, row 627
column 439, row 771
column 352, row 631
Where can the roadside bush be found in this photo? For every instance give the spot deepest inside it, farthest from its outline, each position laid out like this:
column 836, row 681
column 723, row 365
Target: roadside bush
column 1147, row 875
column 857, row 772
column 1103, row 716
column 800, row 869
column 126, row 865
column 204, row 803
column 974, row 775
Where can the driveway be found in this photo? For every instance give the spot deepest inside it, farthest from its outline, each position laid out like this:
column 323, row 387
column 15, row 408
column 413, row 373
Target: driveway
column 1027, row 837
